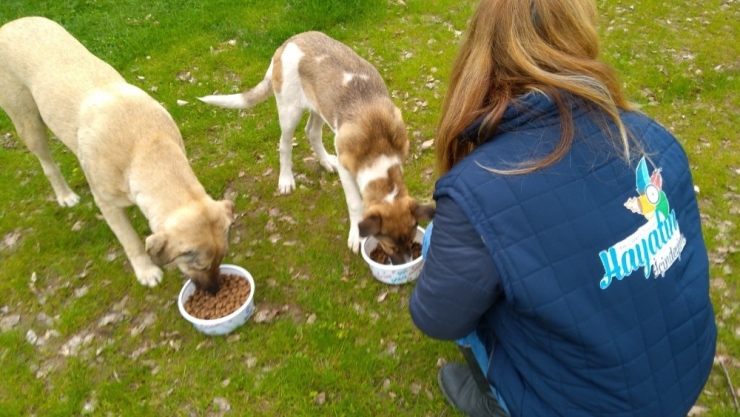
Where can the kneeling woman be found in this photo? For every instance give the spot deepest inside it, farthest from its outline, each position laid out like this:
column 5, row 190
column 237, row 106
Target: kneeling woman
column 567, row 251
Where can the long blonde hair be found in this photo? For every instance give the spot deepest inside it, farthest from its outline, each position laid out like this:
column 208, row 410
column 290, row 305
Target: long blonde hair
column 513, row 47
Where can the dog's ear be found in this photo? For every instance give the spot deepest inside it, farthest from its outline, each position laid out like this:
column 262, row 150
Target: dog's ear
column 370, row 225
column 424, row 212
column 156, row 247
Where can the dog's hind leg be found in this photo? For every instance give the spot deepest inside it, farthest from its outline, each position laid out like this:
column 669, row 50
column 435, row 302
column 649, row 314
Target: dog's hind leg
column 354, row 205
column 313, row 131
column 289, row 116
column 147, row 273
column 20, row 106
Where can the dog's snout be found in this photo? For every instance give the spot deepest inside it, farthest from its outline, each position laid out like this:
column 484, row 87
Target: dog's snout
column 207, row 281
column 207, row 284
column 214, row 279
column 213, row 287
column 400, row 258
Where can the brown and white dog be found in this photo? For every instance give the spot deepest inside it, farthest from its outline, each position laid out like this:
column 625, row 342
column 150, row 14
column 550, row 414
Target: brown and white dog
column 127, row 144
column 314, row 72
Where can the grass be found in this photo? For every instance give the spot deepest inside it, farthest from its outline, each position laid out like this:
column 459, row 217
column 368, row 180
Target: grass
column 362, row 355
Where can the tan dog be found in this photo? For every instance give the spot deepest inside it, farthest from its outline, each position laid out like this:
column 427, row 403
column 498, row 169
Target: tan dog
column 127, row 144
column 314, row 72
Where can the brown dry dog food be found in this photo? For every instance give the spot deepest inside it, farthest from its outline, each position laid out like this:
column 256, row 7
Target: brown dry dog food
column 381, row 257
column 233, row 293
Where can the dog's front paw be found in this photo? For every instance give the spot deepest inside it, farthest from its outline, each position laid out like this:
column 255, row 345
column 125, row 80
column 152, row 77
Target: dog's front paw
column 286, row 185
column 68, row 200
column 330, row 163
column 147, row 273
column 354, row 241
column 151, row 277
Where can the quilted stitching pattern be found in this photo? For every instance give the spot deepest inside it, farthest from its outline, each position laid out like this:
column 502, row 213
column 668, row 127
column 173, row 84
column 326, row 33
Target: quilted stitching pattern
column 628, row 350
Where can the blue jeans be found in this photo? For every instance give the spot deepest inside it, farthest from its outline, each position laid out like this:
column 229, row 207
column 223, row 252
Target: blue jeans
column 426, row 240
column 476, row 345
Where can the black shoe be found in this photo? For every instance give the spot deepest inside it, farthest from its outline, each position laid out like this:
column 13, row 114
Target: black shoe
column 459, row 387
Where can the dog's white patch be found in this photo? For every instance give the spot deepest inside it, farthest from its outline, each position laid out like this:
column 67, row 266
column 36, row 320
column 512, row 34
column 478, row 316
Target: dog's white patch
column 292, row 54
column 379, row 169
column 392, row 196
column 348, row 77
column 292, row 95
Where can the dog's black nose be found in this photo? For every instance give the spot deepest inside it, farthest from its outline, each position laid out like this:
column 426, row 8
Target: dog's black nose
column 398, row 259
column 213, row 287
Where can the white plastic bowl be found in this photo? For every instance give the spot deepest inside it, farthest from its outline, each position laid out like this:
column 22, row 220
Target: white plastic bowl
column 226, row 324
column 393, row 274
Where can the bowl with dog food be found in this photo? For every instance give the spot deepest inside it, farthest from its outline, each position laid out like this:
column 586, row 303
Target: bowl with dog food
column 380, row 264
column 223, row 312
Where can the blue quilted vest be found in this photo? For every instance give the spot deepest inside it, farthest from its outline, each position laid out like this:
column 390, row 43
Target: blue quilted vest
column 603, row 265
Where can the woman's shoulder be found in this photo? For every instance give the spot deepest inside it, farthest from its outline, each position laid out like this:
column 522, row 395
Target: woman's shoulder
column 653, row 136
column 638, row 122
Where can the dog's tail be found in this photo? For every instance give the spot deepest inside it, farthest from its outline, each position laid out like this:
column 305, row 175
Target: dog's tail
column 249, row 98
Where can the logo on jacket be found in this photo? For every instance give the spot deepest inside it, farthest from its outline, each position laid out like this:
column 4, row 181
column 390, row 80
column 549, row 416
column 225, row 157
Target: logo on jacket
column 657, row 244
